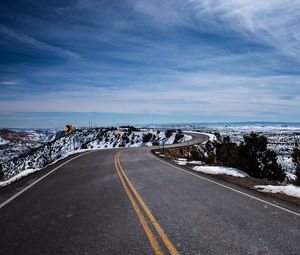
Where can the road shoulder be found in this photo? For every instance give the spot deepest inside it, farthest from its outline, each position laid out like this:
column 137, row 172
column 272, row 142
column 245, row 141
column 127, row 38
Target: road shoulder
column 270, row 198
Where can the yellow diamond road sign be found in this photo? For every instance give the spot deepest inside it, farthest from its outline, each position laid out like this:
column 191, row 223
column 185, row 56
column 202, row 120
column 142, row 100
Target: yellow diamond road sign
column 68, row 128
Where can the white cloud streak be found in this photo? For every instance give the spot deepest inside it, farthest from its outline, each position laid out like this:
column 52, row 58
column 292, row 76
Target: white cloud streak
column 37, row 44
column 212, row 94
column 272, row 22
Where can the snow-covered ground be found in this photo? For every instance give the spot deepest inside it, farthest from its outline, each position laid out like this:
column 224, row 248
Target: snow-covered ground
column 281, row 139
column 220, row 170
column 290, row 190
column 36, row 158
column 184, row 161
column 181, row 161
column 3, row 141
column 14, row 142
column 30, row 171
column 211, row 169
column 18, row 176
column 281, row 136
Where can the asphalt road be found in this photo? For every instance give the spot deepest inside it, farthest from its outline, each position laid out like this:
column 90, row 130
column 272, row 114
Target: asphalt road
column 125, row 201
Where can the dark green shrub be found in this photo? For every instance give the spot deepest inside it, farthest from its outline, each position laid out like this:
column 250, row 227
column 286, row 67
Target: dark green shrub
column 1, row 172
column 296, row 159
column 130, row 128
column 147, row 137
column 270, row 168
column 251, row 153
column 194, row 155
column 227, row 153
column 179, row 135
column 125, row 138
column 168, row 133
column 155, row 143
column 251, row 156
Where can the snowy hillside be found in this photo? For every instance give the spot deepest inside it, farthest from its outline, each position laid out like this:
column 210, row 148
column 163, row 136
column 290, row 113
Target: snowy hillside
column 16, row 142
column 39, row 157
column 281, row 139
column 281, row 136
column 3, row 141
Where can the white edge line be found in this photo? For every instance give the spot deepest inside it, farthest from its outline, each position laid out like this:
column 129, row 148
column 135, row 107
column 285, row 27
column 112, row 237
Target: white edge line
column 224, row 186
column 38, row 180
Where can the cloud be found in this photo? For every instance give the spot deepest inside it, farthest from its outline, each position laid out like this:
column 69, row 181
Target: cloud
column 36, row 44
column 272, row 22
column 10, row 82
column 212, row 58
column 213, row 94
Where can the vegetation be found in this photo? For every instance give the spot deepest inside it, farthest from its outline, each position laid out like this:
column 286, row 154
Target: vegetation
column 130, row 128
column 251, row 156
column 204, row 153
column 179, row 135
column 147, row 137
column 1, row 172
column 168, row 133
column 125, row 138
column 296, row 159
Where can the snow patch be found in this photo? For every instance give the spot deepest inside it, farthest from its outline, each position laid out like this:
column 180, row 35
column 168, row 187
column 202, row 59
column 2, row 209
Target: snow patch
column 212, row 137
column 290, row 190
column 220, row 170
column 181, row 161
column 18, row 176
column 196, row 162
column 3, row 141
column 186, row 138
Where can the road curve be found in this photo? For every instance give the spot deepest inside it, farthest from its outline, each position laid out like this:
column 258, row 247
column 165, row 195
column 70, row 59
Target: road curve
column 125, row 201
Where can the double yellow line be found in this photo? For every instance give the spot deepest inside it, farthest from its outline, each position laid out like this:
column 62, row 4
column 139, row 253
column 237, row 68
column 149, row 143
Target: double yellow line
column 135, row 198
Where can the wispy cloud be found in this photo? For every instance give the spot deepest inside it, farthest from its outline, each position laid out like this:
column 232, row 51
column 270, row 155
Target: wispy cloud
column 204, row 95
column 35, row 43
column 272, row 22
column 206, row 58
column 10, row 82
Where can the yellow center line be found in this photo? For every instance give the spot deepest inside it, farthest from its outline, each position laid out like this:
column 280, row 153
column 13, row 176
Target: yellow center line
column 158, row 228
column 155, row 246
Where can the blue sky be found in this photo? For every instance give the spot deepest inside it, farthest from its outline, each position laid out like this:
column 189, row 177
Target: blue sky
column 144, row 62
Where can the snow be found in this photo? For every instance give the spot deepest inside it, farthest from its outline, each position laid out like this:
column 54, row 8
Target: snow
column 18, row 176
column 30, row 171
column 282, row 139
column 290, row 190
column 196, row 162
column 220, row 170
column 212, row 137
column 282, row 136
column 184, row 161
column 287, row 165
column 3, row 141
column 186, row 138
column 18, row 162
column 170, row 140
column 181, row 161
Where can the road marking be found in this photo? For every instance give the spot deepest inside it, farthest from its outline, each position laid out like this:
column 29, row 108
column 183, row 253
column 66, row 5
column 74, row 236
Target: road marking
column 158, row 228
column 227, row 187
column 38, row 180
column 155, row 246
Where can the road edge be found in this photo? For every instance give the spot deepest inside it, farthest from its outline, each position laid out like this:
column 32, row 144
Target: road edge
column 153, row 155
